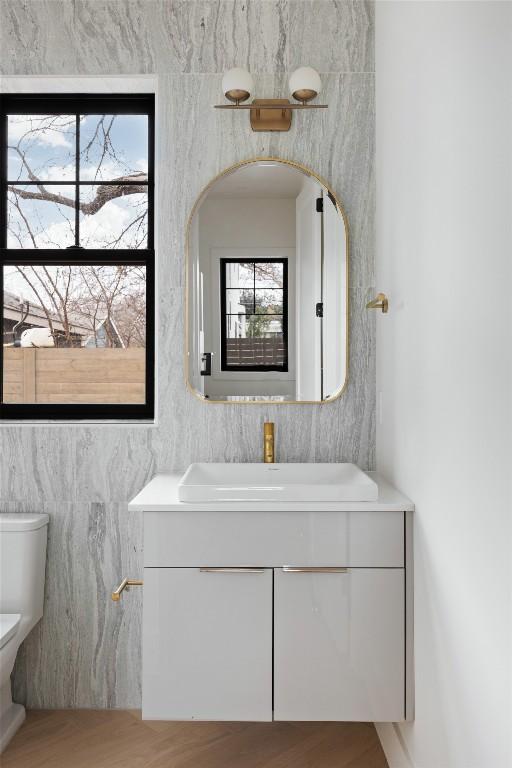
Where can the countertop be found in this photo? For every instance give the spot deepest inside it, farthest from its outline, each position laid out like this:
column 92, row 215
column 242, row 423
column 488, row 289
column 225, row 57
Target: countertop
column 161, row 495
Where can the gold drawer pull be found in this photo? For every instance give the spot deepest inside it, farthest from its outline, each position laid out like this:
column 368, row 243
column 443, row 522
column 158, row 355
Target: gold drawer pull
column 247, row 569
column 325, row 569
column 116, row 594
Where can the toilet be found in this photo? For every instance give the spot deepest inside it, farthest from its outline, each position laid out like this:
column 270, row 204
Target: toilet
column 22, row 569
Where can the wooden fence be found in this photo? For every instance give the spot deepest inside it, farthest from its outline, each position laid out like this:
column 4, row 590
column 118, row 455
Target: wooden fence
column 80, row 375
column 255, row 351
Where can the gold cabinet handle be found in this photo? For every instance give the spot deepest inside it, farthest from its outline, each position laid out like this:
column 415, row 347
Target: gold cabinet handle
column 242, row 569
column 116, row 594
column 318, row 569
column 379, row 302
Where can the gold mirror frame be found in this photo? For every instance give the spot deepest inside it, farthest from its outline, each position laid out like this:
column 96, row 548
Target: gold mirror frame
column 196, row 205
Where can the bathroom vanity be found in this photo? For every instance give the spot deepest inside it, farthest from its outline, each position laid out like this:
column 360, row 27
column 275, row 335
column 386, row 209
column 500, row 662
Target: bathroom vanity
column 264, row 610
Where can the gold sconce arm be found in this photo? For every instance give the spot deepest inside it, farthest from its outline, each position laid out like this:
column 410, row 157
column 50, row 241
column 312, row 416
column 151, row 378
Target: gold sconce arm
column 116, row 594
column 379, row 302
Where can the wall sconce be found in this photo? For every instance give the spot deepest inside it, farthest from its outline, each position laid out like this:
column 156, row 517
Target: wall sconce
column 271, row 114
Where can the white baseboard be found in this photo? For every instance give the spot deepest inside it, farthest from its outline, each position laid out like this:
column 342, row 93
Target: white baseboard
column 393, row 746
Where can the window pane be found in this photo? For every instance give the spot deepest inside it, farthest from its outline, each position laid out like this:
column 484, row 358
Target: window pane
column 74, row 334
column 113, row 146
column 239, row 275
column 239, row 302
column 269, row 302
column 264, row 327
column 255, row 341
column 113, row 216
column 253, row 326
column 269, row 274
column 41, row 146
column 41, row 217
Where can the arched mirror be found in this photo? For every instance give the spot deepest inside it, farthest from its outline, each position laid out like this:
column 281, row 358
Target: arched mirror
column 267, row 250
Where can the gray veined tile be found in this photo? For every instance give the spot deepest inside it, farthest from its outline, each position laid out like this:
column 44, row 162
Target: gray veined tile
column 34, row 37
column 88, row 37
column 37, row 463
column 112, row 463
column 205, row 36
column 85, row 652
column 332, row 35
column 117, row 31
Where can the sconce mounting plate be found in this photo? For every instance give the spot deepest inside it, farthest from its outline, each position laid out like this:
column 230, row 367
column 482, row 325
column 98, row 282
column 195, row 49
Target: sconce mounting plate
column 271, row 119
column 271, row 114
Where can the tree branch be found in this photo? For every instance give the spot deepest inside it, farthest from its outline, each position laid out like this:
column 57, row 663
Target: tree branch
column 104, row 193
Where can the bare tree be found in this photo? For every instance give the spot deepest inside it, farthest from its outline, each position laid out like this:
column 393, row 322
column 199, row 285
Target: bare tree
column 76, row 300
column 80, row 297
column 130, row 182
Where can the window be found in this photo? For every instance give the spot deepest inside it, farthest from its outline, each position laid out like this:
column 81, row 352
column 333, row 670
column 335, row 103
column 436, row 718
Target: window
column 77, row 256
column 254, row 309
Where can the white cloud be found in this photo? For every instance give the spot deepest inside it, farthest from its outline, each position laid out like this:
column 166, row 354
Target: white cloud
column 54, row 137
column 52, row 229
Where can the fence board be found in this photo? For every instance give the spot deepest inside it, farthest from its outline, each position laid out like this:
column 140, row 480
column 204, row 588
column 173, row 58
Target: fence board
column 74, row 375
column 29, row 375
column 255, row 351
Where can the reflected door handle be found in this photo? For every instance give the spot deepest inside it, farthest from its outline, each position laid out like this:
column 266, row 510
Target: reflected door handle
column 320, row 569
column 206, row 360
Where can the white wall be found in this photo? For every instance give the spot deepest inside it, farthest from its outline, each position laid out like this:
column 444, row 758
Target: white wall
column 444, row 203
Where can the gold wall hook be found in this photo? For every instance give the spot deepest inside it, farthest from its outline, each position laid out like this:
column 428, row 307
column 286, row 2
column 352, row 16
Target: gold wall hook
column 379, row 302
column 116, row 594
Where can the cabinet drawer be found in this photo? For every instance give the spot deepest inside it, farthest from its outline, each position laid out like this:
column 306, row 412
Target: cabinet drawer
column 272, row 539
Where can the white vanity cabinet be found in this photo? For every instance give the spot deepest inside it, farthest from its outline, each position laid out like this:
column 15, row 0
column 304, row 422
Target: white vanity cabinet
column 288, row 612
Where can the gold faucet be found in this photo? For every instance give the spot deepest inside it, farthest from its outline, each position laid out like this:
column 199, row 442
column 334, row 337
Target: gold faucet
column 268, row 442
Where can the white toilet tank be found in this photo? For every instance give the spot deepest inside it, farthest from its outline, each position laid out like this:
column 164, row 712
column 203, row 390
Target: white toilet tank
column 22, row 566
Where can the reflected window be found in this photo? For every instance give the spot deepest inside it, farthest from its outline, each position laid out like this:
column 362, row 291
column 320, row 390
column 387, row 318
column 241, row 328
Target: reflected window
column 254, row 309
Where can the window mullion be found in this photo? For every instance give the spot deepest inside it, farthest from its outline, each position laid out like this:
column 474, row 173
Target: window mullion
column 254, row 288
column 77, row 179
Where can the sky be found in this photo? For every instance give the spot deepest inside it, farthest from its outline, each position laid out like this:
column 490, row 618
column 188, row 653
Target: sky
column 49, row 146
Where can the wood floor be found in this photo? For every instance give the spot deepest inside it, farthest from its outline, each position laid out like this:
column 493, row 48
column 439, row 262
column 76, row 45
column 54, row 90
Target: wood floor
column 120, row 739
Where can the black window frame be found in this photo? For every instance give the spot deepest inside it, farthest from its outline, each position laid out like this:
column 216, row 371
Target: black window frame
column 118, row 104
column 224, row 366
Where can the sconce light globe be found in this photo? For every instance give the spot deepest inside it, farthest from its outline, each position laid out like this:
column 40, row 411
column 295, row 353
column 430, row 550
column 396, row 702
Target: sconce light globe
column 237, row 85
column 305, row 84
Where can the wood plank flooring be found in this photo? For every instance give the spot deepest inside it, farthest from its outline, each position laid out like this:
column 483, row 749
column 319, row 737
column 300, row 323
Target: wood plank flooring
column 120, row 739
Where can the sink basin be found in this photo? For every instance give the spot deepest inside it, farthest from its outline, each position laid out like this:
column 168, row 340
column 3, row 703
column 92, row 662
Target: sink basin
column 276, row 482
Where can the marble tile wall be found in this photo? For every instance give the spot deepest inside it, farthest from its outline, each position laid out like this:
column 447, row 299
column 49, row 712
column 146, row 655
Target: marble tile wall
column 86, row 650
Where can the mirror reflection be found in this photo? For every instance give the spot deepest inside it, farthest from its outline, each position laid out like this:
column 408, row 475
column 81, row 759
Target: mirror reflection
column 267, row 287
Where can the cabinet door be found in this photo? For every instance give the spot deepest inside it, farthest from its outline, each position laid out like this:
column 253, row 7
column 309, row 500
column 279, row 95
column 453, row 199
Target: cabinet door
column 339, row 644
column 207, row 644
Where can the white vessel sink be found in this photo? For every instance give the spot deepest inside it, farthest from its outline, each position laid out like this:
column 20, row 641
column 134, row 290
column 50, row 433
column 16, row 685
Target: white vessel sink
column 276, row 482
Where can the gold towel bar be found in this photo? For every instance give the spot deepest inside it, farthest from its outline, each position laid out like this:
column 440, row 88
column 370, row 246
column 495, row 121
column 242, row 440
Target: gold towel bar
column 116, row 594
column 379, row 302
